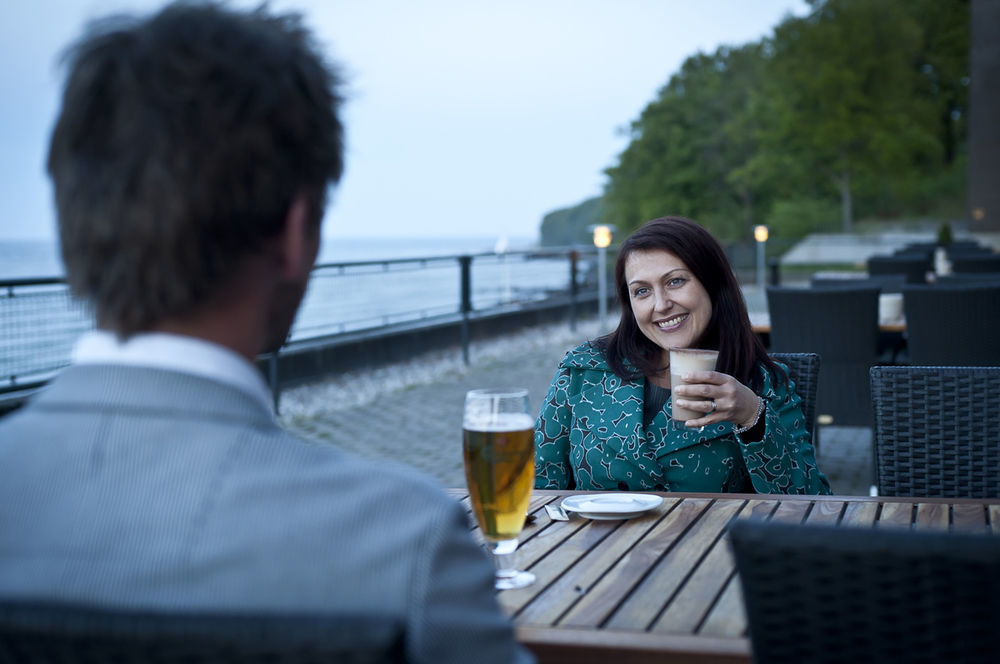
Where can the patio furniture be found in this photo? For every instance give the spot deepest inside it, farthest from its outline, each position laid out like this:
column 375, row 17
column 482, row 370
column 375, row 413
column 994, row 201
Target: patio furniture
column 803, row 369
column 952, row 324
column 36, row 633
column 841, row 326
column 661, row 586
column 967, row 278
column 937, row 431
column 886, row 283
column 976, row 263
column 914, row 267
column 821, row 594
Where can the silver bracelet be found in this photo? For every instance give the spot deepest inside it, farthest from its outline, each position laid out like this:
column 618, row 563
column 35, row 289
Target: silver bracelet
column 753, row 422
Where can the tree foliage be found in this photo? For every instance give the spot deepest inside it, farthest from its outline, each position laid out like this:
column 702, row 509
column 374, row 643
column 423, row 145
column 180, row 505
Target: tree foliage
column 569, row 226
column 856, row 110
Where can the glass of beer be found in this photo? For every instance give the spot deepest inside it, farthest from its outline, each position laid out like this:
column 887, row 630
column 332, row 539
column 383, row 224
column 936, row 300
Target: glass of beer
column 498, row 445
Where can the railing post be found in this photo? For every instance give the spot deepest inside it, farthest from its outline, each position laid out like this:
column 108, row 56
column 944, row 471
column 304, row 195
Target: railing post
column 272, row 371
column 574, row 257
column 465, row 263
column 775, row 266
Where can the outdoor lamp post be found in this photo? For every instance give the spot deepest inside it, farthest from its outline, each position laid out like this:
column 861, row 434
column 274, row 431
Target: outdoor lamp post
column 760, row 234
column 602, row 239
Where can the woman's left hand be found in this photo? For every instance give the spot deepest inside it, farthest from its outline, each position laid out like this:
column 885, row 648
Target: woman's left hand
column 721, row 396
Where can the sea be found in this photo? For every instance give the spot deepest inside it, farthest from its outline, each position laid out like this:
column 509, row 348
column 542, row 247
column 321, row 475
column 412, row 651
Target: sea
column 40, row 258
column 385, row 281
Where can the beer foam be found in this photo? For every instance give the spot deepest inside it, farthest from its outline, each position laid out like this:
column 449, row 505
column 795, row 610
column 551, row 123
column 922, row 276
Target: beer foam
column 498, row 422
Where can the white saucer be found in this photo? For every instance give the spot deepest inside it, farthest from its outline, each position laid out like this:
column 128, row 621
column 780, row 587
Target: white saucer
column 611, row 506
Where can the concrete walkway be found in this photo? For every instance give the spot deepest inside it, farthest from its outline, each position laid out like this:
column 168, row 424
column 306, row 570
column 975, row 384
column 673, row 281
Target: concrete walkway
column 412, row 413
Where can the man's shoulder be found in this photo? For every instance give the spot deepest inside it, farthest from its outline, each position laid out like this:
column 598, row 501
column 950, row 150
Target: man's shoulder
column 381, row 478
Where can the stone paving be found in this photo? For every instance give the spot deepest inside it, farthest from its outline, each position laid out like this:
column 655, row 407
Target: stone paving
column 412, row 412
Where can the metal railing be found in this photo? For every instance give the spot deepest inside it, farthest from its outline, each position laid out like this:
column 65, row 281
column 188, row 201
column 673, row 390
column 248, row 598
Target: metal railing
column 40, row 322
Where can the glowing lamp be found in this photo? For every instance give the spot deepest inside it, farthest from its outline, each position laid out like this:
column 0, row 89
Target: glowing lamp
column 602, row 236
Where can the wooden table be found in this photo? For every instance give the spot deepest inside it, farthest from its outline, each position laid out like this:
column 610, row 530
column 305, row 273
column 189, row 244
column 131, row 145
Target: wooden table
column 662, row 586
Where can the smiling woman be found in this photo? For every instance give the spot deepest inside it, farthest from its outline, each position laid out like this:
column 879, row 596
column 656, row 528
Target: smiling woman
column 605, row 423
column 668, row 302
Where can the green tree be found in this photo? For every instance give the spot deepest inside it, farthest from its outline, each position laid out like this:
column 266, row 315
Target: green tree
column 568, row 226
column 856, row 110
column 840, row 104
column 684, row 145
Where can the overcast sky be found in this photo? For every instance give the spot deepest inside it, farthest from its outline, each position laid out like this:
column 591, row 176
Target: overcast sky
column 465, row 117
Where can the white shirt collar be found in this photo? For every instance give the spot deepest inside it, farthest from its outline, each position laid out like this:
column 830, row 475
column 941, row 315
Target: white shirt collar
column 177, row 353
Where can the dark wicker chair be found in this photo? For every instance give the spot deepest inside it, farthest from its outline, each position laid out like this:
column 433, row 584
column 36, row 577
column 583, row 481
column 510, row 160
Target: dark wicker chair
column 976, row 263
column 841, row 325
column 839, row 594
column 967, row 278
column 914, row 267
column 937, row 431
column 887, row 283
column 43, row 633
column 803, row 369
column 952, row 324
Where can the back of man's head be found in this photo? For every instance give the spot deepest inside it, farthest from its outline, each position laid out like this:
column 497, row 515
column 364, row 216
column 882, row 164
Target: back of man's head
column 182, row 140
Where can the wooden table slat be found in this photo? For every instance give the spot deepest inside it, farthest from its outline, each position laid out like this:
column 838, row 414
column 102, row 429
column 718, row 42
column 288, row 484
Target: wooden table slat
column 971, row 518
column 728, row 617
column 540, row 538
column 667, row 577
column 695, row 599
column 790, row 511
column 862, row 514
column 588, row 552
column 624, row 574
column 932, row 516
column 758, row 510
column 896, row 515
column 569, row 645
column 825, row 513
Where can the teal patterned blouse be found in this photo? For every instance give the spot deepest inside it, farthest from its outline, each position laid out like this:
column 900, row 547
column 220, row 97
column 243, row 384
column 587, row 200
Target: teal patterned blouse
column 590, row 436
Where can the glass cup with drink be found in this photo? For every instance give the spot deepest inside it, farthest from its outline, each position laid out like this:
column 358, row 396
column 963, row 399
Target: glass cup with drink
column 498, row 445
column 684, row 361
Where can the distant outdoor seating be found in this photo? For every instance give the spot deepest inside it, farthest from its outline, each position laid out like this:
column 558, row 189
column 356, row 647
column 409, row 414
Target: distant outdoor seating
column 841, row 325
column 968, row 248
column 952, row 324
column 824, row 594
column 42, row 633
column 967, row 278
column 975, row 263
column 953, row 248
column 937, row 431
column 913, row 267
column 886, row 283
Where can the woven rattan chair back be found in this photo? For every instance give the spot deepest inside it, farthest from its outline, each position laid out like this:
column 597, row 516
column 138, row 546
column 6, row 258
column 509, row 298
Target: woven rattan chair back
column 952, row 324
column 937, row 431
column 965, row 278
column 842, row 594
column 803, row 369
column 914, row 266
column 41, row 633
column 841, row 325
column 976, row 262
column 886, row 283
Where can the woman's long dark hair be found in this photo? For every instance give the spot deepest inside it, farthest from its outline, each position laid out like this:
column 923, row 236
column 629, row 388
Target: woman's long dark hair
column 728, row 331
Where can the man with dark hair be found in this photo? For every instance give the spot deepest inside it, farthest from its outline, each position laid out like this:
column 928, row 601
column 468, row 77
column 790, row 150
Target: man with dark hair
column 190, row 162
